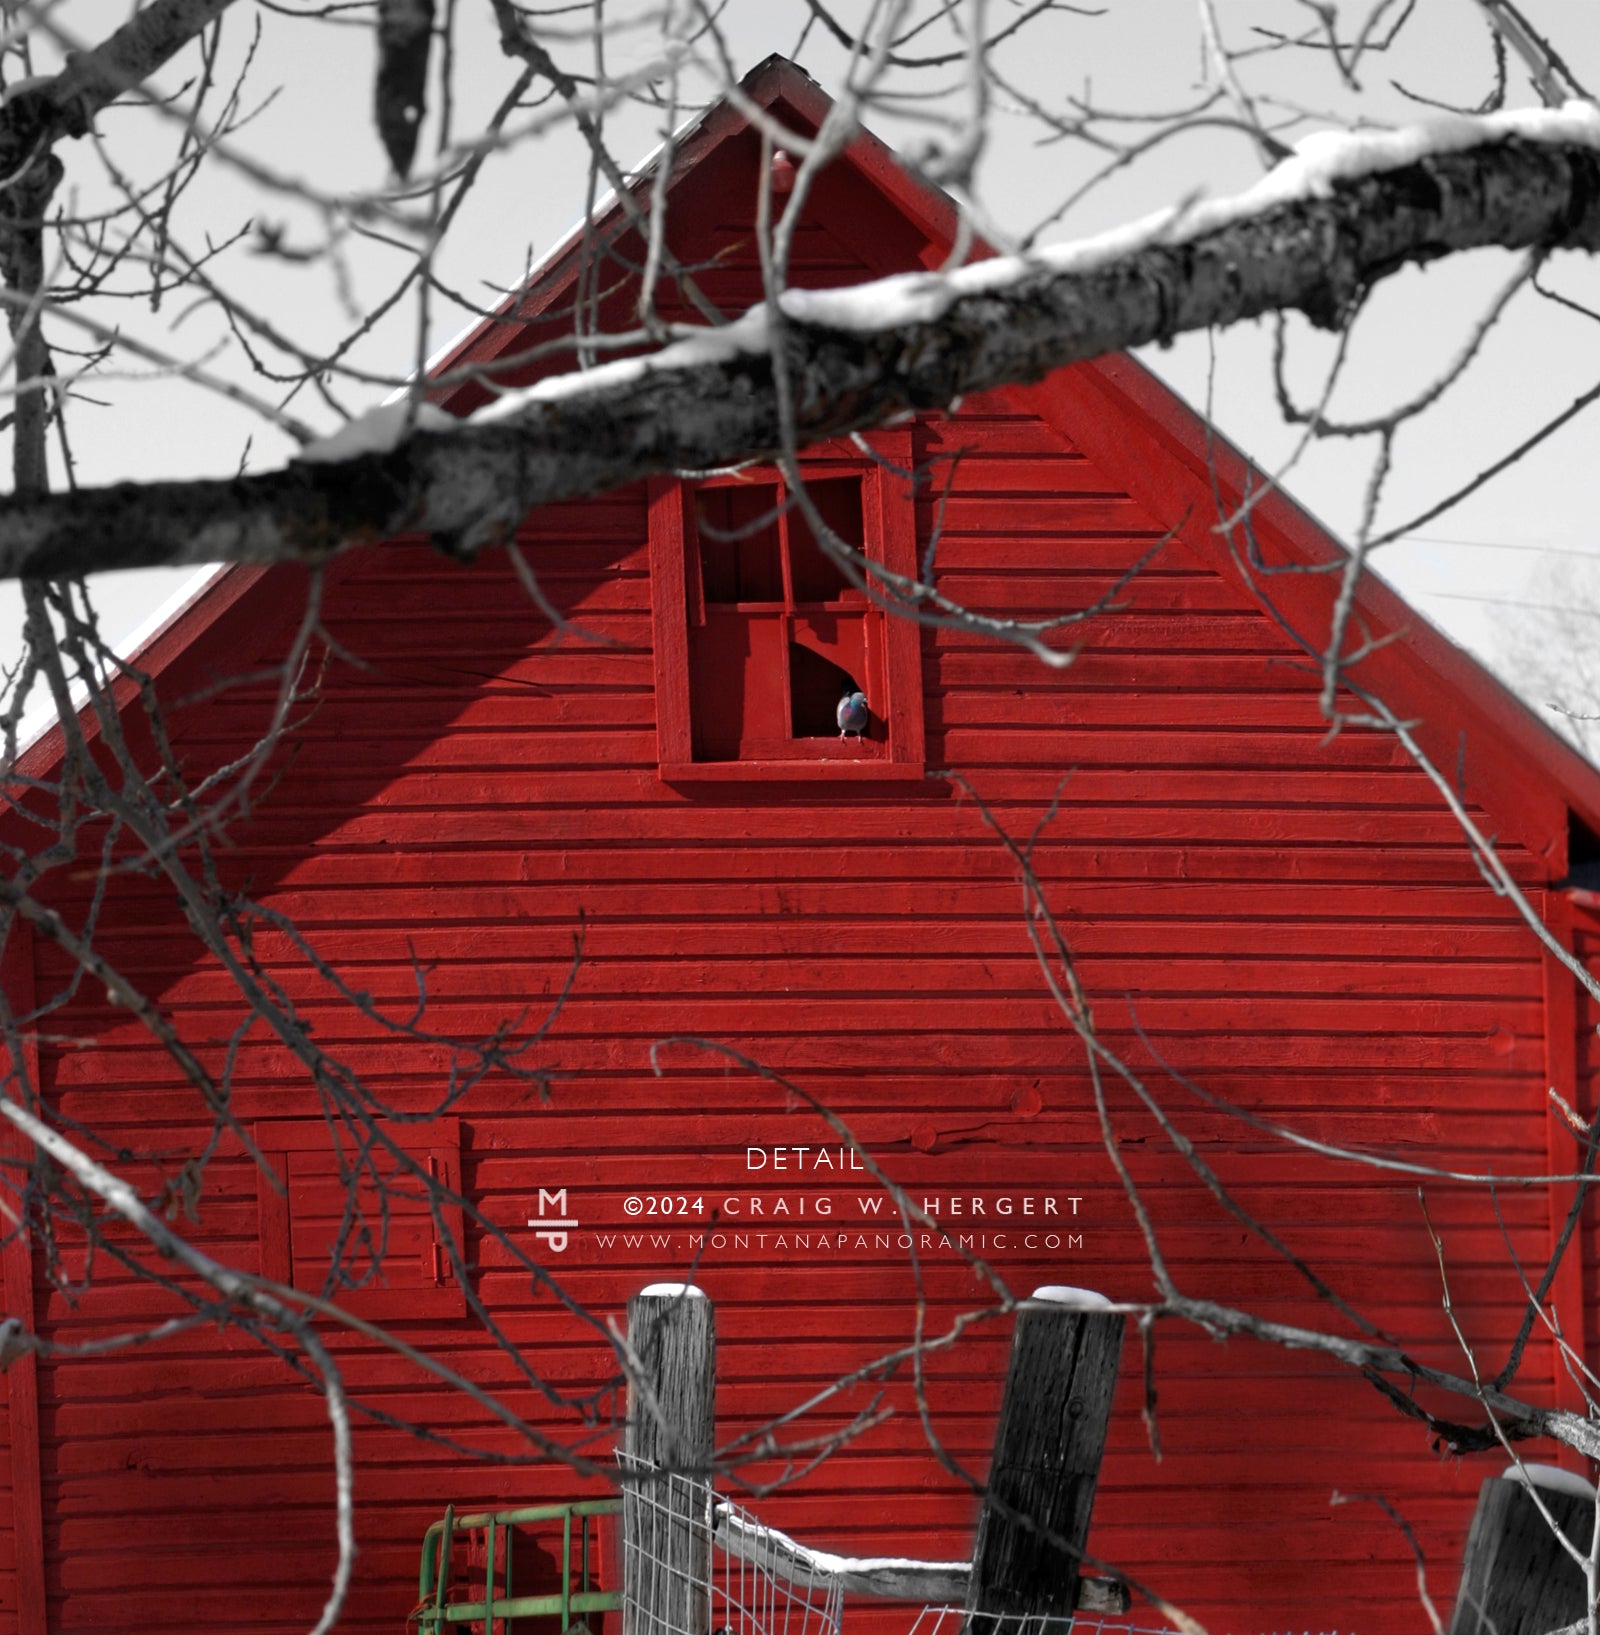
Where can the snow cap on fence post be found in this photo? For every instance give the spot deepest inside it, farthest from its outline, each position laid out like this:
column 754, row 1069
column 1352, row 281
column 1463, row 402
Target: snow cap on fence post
column 1063, row 1294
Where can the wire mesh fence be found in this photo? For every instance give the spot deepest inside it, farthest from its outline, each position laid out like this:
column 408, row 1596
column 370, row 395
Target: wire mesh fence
column 762, row 1586
column 697, row 1564
column 949, row 1620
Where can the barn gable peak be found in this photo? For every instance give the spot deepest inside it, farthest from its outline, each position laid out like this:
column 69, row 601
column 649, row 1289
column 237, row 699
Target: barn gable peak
column 867, row 217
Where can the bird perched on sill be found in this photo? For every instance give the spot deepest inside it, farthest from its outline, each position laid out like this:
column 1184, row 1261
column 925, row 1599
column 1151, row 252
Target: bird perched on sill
column 853, row 712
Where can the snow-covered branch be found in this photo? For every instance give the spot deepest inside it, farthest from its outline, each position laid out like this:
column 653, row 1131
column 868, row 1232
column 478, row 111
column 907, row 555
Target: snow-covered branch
column 1314, row 236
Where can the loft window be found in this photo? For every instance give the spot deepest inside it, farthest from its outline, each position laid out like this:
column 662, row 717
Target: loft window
column 759, row 632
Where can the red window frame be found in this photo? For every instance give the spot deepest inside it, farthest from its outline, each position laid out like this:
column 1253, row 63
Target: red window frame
column 892, row 645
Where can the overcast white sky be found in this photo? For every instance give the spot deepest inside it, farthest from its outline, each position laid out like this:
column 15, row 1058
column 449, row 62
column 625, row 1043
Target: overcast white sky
column 311, row 83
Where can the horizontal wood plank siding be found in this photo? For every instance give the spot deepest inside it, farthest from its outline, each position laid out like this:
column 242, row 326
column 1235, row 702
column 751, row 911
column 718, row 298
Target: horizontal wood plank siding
column 1288, row 920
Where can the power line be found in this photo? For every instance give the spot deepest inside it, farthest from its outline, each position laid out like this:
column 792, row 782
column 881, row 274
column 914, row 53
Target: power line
column 1506, row 601
column 1503, row 545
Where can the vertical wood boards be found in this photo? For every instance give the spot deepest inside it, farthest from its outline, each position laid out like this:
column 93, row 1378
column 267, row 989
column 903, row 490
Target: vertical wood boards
column 1517, row 1577
column 896, row 527
column 16, row 1271
column 669, row 532
column 666, row 1522
column 1564, row 1153
column 1048, row 1445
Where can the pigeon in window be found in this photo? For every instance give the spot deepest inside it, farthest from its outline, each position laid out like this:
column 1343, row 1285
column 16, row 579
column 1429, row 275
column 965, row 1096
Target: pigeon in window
column 853, row 712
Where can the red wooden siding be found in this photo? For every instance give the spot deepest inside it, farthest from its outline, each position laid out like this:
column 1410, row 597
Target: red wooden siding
column 21, row 1526
column 1586, row 1054
column 1292, row 922
column 21, row 1413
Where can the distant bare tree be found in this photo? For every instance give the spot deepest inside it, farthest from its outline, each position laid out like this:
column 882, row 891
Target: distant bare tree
column 1548, row 647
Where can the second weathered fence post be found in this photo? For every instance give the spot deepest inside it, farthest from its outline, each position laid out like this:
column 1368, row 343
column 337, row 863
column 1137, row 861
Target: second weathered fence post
column 1517, row 1578
column 1047, row 1448
column 666, row 1536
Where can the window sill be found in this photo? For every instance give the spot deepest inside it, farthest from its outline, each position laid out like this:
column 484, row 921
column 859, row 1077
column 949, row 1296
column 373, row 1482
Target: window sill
column 812, row 771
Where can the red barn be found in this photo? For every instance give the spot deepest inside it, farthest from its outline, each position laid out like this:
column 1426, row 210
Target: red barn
column 1290, row 921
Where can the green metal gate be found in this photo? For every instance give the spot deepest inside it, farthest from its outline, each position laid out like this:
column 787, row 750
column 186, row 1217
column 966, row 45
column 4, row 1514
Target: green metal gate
column 571, row 1604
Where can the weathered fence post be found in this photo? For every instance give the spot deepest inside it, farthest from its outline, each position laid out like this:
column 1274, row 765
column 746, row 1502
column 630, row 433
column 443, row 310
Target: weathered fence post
column 666, row 1523
column 1047, row 1448
column 1516, row 1576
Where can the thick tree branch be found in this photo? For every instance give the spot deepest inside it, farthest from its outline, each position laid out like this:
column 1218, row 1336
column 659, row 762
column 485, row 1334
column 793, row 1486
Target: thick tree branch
column 468, row 487
column 43, row 112
column 33, row 118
